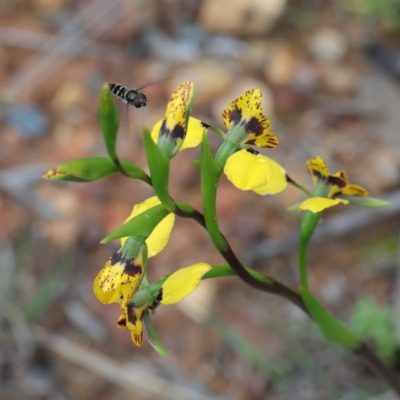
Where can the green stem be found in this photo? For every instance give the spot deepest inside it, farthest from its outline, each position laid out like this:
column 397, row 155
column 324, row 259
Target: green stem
column 298, row 186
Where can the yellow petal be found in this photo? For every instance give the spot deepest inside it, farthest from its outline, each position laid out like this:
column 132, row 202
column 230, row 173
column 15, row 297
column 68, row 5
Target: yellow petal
column 266, row 139
column 54, row 174
column 134, row 322
column 119, row 280
column 317, row 204
column 193, row 136
column 317, row 169
column 161, row 233
column 183, row 282
column 277, row 182
column 246, row 110
column 194, row 133
column 155, row 133
column 248, row 171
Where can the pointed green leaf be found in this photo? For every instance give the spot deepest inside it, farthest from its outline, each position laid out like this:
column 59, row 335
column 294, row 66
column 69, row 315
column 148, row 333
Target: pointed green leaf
column 159, row 171
column 209, row 184
column 152, row 335
column 332, row 329
column 109, row 120
column 366, row 201
column 141, row 225
column 91, row 169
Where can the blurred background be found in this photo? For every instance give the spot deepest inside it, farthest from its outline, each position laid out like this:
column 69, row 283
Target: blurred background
column 329, row 73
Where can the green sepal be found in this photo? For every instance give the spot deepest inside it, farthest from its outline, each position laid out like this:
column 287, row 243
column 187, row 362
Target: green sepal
column 132, row 247
column 209, row 184
column 152, row 335
column 294, row 207
column 109, row 120
column 332, row 329
column 369, row 202
column 159, row 171
column 92, row 169
column 141, row 225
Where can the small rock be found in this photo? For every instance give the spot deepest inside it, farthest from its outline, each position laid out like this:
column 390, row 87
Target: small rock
column 340, row 80
column 31, row 121
column 237, row 17
column 305, row 78
column 182, row 47
column 328, row 44
column 70, row 94
column 279, row 69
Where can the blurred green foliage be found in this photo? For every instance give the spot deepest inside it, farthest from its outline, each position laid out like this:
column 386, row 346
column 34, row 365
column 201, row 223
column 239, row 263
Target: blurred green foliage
column 375, row 322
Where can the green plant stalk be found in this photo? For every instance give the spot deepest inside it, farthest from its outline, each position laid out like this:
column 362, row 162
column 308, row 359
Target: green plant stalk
column 308, row 224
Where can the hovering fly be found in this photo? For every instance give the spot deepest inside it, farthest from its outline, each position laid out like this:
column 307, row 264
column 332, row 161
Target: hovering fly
column 130, row 96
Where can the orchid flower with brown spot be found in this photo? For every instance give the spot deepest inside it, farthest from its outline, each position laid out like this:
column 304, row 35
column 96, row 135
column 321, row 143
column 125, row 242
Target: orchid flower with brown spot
column 335, row 184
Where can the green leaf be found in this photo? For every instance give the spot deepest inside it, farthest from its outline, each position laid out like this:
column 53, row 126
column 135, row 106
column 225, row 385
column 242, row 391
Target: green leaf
column 369, row 202
column 376, row 322
column 209, row 184
column 92, row 169
column 159, row 171
column 332, row 329
column 152, row 335
column 109, row 120
column 141, row 225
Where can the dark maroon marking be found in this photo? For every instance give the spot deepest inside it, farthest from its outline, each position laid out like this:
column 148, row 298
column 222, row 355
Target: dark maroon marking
column 235, row 116
column 122, row 322
column 160, row 295
column 116, row 258
column 337, row 181
column 204, row 125
column 318, row 175
column 252, row 151
column 132, row 269
column 254, row 126
column 178, row 132
column 130, row 313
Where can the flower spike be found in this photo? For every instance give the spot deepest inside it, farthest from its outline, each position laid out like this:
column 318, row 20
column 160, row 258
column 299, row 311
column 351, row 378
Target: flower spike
column 172, row 131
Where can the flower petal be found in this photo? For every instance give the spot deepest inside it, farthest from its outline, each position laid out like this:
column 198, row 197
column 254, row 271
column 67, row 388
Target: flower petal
column 317, row 204
column 246, row 110
column 278, row 181
column 317, row 169
column 134, row 322
column 193, row 136
column 182, row 283
column 118, row 280
column 172, row 131
column 194, row 133
column 248, row 171
column 161, row 233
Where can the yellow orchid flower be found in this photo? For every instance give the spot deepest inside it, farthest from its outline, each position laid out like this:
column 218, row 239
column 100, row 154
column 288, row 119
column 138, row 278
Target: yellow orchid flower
column 120, row 278
column 246, row 111
column 177, row 286
column 246, row 168
column 170, row 132
column 337, row 184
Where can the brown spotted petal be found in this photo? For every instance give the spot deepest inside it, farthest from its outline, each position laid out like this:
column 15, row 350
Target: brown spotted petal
column 133, row 320
column 173, row 125
column 119, row 280
column 338, row 183
column 246, row 111
column 317, row 169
